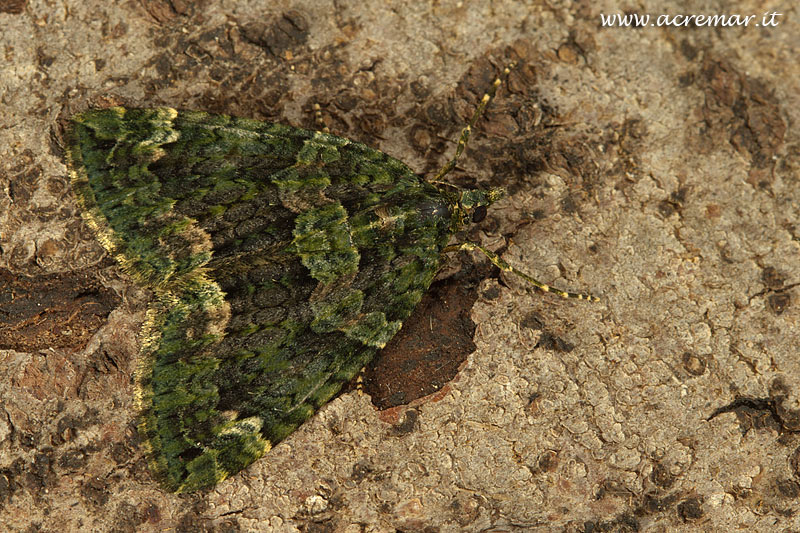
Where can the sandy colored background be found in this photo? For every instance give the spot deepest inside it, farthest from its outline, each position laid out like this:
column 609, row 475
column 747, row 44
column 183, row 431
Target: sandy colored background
column 655, row 167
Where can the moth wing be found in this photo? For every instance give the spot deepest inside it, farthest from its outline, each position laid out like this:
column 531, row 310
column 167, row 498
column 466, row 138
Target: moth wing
column 280, row 261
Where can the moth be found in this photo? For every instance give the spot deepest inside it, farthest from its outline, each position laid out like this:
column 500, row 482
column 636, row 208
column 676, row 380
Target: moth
column 280, row 260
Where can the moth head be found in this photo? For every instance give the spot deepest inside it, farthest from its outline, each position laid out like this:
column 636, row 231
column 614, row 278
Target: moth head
column 473, row 204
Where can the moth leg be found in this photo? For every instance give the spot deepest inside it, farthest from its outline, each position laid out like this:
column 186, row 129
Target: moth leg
column 320, row 123
column 502, row 265
column 462, row 141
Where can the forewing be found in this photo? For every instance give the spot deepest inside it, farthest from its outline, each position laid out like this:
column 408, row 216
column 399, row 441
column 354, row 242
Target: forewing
column 280, row 261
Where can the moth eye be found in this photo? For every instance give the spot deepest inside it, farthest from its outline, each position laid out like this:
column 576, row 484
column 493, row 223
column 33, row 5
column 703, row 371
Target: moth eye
column 479, row 214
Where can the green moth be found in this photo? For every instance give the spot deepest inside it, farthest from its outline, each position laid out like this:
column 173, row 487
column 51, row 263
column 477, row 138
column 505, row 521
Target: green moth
column 280, row 261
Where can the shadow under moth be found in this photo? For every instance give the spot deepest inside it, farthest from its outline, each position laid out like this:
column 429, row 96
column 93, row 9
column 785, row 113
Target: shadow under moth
column 280, row 260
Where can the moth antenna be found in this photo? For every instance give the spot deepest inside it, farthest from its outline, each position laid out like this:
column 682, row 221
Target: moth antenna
column 505, row 267
column 444, row 185
column 462, row 141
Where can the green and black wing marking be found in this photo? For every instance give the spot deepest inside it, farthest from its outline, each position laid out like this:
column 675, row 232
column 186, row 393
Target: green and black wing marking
column 280, row 260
